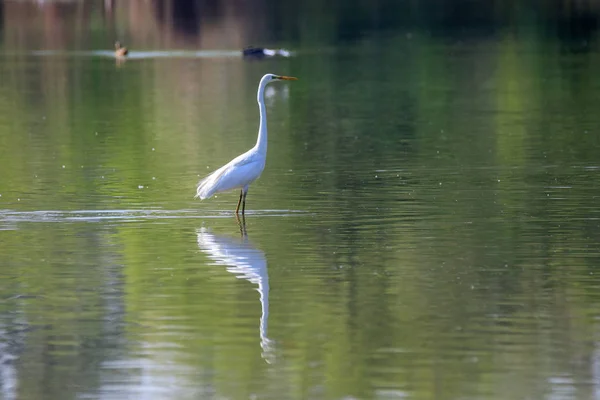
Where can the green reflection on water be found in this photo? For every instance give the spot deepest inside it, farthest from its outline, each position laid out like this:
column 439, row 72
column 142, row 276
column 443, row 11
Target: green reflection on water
column 428, row 219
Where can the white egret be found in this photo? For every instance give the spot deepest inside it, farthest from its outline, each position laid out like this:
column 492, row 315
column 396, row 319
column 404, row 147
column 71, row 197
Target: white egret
column 245, row 168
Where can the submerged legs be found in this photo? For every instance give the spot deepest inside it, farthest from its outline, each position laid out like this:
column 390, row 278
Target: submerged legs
column 241, row 224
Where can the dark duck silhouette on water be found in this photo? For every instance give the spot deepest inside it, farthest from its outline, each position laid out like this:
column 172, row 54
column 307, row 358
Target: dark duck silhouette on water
column 252, row 52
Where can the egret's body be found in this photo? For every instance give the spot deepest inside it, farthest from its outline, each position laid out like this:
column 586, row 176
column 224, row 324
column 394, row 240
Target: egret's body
column 245, row 168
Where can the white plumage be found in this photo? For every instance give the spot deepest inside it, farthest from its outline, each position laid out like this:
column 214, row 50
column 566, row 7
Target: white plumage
column 237, row 173
column 245, row 168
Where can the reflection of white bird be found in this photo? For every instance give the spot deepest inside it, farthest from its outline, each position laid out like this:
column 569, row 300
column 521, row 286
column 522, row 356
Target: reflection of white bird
column 9, row 381
column 245, row 168
column 272, row 93
column 245, row 262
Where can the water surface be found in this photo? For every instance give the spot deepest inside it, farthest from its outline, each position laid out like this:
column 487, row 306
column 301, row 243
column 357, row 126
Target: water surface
column 427, row 225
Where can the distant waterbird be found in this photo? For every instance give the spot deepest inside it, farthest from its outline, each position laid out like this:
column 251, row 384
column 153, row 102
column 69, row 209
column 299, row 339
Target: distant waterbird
column 245, row 168
column 262, row 52
column 120, row 51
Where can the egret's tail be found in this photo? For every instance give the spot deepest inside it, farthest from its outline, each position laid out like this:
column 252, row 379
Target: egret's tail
column 209, row 185
column 203, row 191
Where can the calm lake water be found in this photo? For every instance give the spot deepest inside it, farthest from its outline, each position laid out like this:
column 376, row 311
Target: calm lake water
column 427, row 225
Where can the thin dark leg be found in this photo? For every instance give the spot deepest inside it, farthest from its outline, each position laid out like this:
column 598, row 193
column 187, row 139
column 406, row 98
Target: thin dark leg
column 244, row 203
column 237, row 209
column 241, row 225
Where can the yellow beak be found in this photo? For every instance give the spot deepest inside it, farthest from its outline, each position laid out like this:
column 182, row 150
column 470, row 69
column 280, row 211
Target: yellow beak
column 287, row 78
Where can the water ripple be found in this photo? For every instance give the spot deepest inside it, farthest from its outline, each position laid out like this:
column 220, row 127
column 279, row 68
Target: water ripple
column 9, row 217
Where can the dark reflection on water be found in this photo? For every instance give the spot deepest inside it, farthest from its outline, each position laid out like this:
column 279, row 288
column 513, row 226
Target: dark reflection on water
column 225, row 24
column 428, row 214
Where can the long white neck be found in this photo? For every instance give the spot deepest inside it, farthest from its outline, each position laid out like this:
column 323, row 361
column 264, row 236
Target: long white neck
column 261, row 142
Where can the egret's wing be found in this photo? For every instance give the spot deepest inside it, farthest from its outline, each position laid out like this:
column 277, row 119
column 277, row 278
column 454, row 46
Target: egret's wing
column 240, row 175
column 238, row 172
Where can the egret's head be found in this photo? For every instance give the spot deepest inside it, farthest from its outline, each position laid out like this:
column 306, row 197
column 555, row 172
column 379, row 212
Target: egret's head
column 266, row 80
column 272, row 77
